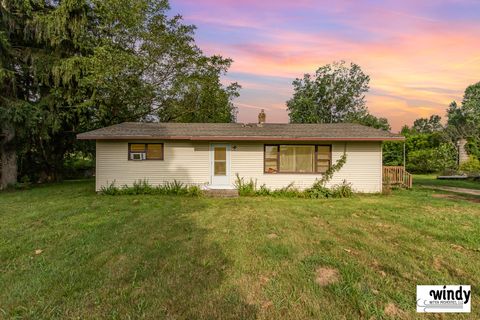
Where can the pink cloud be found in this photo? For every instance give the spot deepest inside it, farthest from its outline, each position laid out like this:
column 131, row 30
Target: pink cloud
column 418, row 61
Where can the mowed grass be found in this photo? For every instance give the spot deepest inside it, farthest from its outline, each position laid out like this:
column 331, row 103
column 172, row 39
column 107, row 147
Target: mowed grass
column 159, row 257
column 431, row 180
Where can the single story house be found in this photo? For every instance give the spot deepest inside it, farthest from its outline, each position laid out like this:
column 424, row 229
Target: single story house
column 213, row 154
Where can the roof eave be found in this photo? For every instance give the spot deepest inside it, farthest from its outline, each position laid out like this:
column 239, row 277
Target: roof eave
column 235, row 138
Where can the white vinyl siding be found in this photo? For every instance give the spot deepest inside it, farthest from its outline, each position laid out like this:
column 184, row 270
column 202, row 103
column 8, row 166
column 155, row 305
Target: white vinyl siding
column 363, row 168
column 189, row 162
column 183, row 161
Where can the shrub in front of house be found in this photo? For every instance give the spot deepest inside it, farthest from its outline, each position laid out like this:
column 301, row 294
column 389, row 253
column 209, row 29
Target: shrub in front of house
column 288, row 192
column 248, row 188
column 316, row 191
column 143, row 187
column 342, row 190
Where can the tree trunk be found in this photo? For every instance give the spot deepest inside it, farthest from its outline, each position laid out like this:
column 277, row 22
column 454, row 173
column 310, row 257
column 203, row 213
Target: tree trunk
column 8, row 158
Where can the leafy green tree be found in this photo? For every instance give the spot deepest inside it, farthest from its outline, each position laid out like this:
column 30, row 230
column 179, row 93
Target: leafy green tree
column 455, row 115
column 405, row 130
column 392, row 153
column 471, row 104
column 201, row 97
column 425, row 152
column 336, row 93
column 436, row 159
column 428, row 125
column 464, row 121
column 29, row 111
column 370, row 120
column 469, row 126
column 473, row 146
column 72, row 66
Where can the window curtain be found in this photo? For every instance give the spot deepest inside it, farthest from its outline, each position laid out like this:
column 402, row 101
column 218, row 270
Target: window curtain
column 304, row 158
column 297, row 158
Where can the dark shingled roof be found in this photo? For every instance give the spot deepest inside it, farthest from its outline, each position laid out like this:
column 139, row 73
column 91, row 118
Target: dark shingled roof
column 239, row 131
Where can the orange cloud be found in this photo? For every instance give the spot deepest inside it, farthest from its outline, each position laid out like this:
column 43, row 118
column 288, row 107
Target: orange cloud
column 418, row 63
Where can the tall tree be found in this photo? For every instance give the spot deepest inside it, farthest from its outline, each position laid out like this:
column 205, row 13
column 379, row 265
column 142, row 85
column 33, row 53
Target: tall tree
column 471, row 103
column 336, row 93
column 464, row 120
column 468, row 114
column 77, row 65
column 428, row 125
column 200, row 96
column 455, row 116
column 20, row 60
column 370, row 120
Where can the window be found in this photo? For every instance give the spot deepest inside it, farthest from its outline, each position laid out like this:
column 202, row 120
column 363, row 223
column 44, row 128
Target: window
column 297, row 159
column 324, row 155
column 271, row 159
column 289, row 158
column 220, row 161
column 145, row 151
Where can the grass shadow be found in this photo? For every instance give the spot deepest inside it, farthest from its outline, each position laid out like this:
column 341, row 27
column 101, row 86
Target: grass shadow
column 117, row 257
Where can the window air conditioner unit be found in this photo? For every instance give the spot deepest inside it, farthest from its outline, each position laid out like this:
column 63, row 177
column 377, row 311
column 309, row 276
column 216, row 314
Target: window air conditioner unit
column 138, row 156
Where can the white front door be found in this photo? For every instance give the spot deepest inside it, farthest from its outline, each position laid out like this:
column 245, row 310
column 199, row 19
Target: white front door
column 220, row 165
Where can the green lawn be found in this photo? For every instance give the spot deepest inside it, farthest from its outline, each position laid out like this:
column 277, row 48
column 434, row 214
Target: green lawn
column 158, row 257
column 431, row 180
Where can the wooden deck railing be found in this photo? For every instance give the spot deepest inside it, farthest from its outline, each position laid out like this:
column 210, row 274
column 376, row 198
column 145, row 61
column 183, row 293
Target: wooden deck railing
column 397, row 175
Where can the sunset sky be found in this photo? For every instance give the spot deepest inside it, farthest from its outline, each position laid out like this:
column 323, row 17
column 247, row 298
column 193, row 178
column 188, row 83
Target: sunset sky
column 420, row 55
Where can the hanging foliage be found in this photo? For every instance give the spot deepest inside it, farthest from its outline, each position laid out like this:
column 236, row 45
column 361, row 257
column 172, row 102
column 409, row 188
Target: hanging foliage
column 76, row 65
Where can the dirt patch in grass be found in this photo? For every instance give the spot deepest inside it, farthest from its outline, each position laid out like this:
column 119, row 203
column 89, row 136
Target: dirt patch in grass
column 326, row 276
column 454, row 197
column 378, row 268
column 267, row 304
column 383, row 225
column 391, row 310
column 437, row 263
column 264, row 280
column 457, row 247
column 272, row 236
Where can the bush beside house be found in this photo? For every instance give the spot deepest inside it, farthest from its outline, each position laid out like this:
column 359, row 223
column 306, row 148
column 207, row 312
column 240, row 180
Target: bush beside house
column 471, row 166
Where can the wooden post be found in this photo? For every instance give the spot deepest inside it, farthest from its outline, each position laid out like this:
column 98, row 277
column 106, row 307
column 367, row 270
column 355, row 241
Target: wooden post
column 404, row 176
